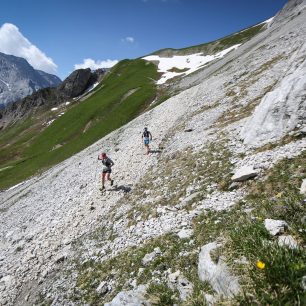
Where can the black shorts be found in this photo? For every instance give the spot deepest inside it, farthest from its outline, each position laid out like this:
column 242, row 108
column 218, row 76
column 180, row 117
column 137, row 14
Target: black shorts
column 107, row 171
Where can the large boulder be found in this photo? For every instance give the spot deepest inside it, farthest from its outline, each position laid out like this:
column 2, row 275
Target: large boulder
column 217, row 274
column 281, row 110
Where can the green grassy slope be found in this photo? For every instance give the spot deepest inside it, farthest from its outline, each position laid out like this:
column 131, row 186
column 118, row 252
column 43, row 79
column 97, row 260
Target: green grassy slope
column 217, row 45
column 123, row 94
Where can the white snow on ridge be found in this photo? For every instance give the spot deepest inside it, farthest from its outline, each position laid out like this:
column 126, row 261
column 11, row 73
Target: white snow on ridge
column 268, row 20
column 15, row 186
column 191, row 62
column 93, row 86
column 49, row 122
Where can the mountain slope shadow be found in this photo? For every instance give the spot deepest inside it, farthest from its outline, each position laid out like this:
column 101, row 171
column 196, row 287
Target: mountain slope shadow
column 125, row 189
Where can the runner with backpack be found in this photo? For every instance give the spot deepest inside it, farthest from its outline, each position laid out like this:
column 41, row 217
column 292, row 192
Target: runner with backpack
column 107, row 169
column 146, row 137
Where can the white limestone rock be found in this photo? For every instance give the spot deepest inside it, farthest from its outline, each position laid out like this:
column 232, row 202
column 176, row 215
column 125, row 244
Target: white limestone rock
column 185, row 233
column 174, row 276
column 135, row 297
column 244, row 173
column 177, row 281
column 184, row 287
column 150, row 256
column 282, row 109
column 303, row 187
column 217, row 274
column 242, row 261
column 210, row 299
column 287, row 240
column 275, row 227
column 103, row 288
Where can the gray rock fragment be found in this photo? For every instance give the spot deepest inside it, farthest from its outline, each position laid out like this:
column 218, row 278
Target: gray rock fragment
column 275, row 227
column 180, row 283
column 103, row 288
column 130, row 298
column 185, row 233
column 210, row 299
column 287, row 240
column 218, row 274
column 150, row 256
column 244, row 173
column 303, row 187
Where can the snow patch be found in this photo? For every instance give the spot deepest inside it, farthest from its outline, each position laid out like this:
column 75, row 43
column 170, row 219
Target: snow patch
column 190, row 62
column 49, row 122
column 92, row 87
column 15, row 186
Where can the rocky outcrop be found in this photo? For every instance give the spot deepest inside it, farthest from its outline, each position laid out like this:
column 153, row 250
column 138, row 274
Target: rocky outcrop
column 281, row 110
column 19, row 79
column 290, row 10
column 78, row 81
column 46, row 97
column 52, row 79
column 216, row 273
column 74, row 85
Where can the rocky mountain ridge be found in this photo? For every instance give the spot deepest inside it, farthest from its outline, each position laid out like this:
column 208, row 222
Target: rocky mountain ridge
column 182, row 225
column 76, row 84
column 19, row 79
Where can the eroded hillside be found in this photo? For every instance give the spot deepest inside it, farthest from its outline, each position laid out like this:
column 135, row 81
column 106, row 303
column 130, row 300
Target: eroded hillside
column 207, row 218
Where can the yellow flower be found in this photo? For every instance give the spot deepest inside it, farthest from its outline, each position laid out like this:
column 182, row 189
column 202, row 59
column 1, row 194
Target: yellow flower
column 259, row 218
column 260, row 265
column 279, row 195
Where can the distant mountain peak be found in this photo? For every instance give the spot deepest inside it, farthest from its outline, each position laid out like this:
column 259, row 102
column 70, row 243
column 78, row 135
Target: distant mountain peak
column 19, row 79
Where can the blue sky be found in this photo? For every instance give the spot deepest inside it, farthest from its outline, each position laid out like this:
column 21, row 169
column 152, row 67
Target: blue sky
column 58, row 35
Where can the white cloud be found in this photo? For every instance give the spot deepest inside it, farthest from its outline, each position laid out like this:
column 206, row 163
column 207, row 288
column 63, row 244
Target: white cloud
column 14, row 43
column 93, row 65
column 128, row 39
